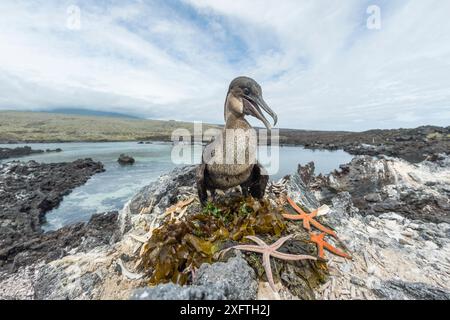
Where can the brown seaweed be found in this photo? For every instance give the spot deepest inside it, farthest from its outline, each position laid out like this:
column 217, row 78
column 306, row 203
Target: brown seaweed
column 180, row 246
column 177, row 248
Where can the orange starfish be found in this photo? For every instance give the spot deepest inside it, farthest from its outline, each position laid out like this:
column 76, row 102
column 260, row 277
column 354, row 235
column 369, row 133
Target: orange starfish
column 319, row 240
column 308, row 219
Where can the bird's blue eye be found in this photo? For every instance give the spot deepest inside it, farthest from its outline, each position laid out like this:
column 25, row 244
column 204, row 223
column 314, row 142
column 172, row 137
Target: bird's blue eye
column 246, row 91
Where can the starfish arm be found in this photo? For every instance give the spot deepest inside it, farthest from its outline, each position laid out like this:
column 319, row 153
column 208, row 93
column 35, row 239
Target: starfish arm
column 306, row 224
column 292, row 257
column 244, row 247
column 323, row 228
column 257, row 240
column 268, row 269
column 280, row 242
column 293, row 216
column 295, row 206
column 336, row 251
column 320, row 251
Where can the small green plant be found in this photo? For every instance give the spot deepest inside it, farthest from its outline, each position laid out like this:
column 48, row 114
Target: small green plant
column 244, row 210
column 211, row 209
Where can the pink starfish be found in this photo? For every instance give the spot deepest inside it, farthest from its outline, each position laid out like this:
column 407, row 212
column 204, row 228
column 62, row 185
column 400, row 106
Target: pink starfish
column 268, row 251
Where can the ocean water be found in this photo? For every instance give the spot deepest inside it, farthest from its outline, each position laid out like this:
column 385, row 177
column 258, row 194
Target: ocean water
column 110, row 190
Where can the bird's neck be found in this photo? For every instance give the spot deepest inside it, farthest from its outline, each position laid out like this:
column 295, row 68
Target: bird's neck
column 236, row 122
column 234, row 118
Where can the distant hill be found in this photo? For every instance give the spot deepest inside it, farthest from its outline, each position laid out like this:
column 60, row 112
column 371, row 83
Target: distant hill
column 16, row 126
column 88, row 112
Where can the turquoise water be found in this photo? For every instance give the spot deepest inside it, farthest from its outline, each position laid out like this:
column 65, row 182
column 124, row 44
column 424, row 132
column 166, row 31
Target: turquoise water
column 110, row 190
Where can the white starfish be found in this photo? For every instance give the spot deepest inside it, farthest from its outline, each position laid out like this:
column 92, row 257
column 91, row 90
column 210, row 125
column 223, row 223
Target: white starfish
column 270, row 250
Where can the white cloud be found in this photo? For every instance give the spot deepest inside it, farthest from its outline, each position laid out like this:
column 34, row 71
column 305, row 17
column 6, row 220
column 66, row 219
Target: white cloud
column 319, row 66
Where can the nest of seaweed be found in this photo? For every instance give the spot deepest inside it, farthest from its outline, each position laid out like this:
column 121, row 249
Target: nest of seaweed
column 180, row 246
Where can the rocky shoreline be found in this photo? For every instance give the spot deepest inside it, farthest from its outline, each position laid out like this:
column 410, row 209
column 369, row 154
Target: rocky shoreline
column 27, row 192
column 391, row 215
column 6, row 153
column 413, row 145
column 384, row 185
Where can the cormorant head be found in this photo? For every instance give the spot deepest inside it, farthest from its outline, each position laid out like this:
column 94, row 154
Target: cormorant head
column 245, row 98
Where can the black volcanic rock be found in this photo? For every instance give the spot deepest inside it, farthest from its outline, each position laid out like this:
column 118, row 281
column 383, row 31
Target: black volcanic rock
column 55, row 150
column 100, row 230
column 413, row 145
column 401, row 290
column 125, row 159
column 306, row 172
column 28, row 191
column 6, row 153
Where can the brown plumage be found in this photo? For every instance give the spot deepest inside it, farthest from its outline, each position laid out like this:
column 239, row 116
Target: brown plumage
column 230, row 160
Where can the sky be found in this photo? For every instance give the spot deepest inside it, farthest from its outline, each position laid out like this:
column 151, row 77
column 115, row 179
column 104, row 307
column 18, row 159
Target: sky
column 322, row 64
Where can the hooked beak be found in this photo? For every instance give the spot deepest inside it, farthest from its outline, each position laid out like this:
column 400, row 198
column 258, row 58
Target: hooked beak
column 252, row 107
